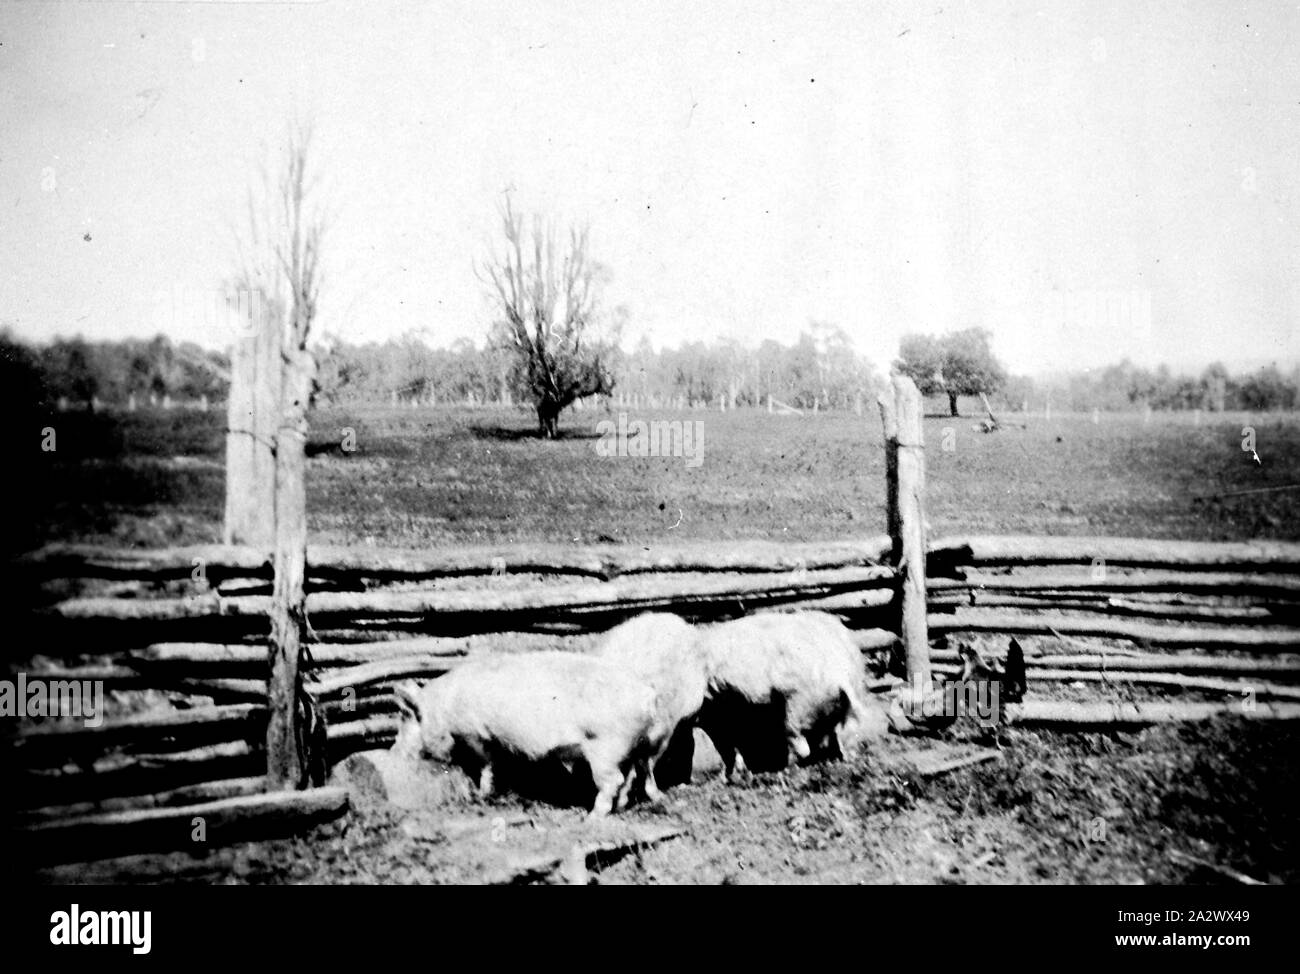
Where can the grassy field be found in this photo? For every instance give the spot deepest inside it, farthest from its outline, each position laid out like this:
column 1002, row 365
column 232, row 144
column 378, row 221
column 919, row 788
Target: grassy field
column 460, row 476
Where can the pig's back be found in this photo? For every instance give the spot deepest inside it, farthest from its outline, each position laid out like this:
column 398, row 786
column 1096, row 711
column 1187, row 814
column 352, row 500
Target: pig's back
column 779, row 651
column 549, row 695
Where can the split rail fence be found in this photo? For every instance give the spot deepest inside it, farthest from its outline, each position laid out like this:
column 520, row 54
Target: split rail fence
column 181, row 635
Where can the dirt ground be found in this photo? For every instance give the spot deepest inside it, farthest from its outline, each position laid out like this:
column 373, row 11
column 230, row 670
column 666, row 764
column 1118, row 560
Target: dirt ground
column 1164, row 805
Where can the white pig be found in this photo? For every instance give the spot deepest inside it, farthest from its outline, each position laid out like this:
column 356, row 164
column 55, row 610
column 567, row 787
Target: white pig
column 782, row 682
column 534, row 707
column 659, row 648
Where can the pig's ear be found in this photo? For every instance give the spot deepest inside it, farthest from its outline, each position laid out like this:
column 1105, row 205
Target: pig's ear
column 407, row 696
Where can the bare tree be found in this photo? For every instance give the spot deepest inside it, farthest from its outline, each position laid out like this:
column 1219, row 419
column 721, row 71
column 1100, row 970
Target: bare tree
column 548, row 291
column 279, row 261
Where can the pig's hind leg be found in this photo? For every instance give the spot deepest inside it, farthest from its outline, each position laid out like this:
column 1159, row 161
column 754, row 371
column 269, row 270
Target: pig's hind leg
column 798, row 720
column 610, row 776
column 625, row 789
column 718, row 720
column 644, row 767
column 483, row 761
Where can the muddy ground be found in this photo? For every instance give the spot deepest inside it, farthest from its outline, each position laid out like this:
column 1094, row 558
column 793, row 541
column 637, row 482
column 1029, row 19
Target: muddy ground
column 1172, row 804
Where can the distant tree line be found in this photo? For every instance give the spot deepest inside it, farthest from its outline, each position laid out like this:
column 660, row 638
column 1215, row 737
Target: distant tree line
column 1125, row 387
column 408, row 369
column 820, row 367
column 88, row 373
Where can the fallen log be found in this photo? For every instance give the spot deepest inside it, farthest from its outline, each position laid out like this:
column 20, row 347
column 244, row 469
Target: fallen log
column 222, row 822
column 1105, row 715
column 1132, row 552
column 1252, row 639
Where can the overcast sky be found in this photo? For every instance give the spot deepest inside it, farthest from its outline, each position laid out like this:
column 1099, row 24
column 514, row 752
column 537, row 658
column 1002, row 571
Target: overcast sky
column 1088, row 181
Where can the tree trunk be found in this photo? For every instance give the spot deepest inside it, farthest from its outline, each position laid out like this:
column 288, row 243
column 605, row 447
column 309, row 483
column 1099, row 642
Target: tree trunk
column 952, row 403
column 548, row 418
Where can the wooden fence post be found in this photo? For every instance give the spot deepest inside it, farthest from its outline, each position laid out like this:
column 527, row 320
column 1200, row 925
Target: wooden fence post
column 266, row 508
column 901, row 415
column 284, row 749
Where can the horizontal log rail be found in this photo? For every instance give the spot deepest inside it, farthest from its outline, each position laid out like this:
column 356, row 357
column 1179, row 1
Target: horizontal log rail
column 1109, row 606
column 625, row 595
column 1242, row 597
column 1172, row 662
column 392, row 564
column 1081, row 582
column 227, row 820
column 1251, row 639
column 1107, row 715
column 1132, row 552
